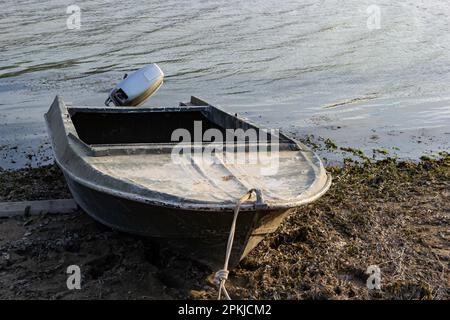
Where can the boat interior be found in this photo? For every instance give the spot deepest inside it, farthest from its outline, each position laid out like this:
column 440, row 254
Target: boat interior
column 99, row 128
column 114, row 129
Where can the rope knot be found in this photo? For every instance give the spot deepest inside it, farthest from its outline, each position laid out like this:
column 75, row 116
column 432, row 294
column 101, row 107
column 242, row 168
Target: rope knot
column 220, row 276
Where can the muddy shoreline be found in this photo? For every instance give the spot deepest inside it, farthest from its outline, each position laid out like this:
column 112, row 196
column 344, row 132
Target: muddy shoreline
column 389, row 213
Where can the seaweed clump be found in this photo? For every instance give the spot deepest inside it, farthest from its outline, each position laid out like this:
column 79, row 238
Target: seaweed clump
column 389, row 213
column 41, row 183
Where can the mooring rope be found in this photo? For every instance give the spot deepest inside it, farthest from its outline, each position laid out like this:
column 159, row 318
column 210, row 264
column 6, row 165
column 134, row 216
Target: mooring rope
column 221, row 276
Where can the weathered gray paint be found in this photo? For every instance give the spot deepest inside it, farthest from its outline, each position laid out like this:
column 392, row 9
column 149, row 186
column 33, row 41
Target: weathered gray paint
column 189, row 206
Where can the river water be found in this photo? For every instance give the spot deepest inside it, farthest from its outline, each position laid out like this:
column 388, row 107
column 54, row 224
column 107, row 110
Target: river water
column 367, row 74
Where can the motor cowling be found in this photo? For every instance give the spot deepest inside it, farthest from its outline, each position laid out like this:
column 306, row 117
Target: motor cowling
column 137, row 87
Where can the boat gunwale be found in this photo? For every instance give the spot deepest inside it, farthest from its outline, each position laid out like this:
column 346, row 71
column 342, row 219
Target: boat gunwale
column 100, row 109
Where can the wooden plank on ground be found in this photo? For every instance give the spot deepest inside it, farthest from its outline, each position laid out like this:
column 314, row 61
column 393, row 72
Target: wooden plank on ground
column 10, row 209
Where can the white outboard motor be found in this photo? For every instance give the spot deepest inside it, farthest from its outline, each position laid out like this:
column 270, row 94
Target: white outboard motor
column 136, row 88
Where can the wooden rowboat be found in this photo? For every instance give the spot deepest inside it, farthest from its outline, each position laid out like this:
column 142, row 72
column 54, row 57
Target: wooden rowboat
column 120, row 167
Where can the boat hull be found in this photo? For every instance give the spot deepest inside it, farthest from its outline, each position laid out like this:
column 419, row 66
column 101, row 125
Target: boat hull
column 198, row 235
column 119, row 166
